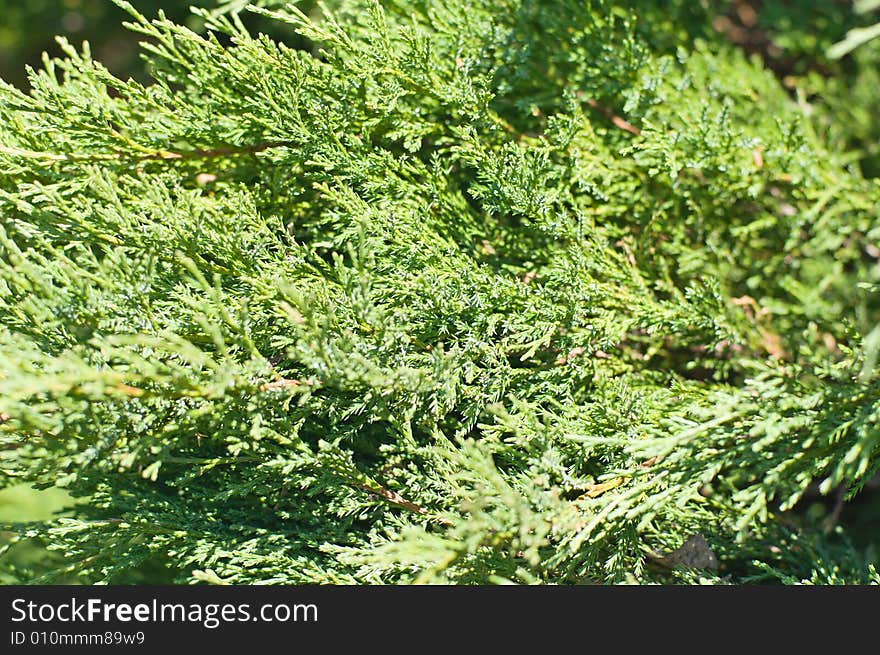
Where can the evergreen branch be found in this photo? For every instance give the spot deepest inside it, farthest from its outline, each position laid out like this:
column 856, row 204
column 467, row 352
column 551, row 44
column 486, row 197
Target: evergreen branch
column 575, row 354
column 159, row 155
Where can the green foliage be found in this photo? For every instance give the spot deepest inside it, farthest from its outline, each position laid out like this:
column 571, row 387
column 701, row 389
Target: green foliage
column 475, row 292
column 29, row 28
column 858, row 35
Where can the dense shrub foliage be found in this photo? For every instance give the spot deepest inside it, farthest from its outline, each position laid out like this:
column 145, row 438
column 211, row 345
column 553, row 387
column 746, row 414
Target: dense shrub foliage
column 27, row 28
column 485, row 291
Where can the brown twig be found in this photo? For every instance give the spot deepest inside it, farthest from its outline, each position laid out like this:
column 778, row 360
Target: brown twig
column 616, row 120
column 283, row 383
column 396, row 499
column 836, row 510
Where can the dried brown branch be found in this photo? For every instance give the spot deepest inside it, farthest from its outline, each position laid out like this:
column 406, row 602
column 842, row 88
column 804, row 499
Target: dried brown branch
column 616, row 120
column 396, row 499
